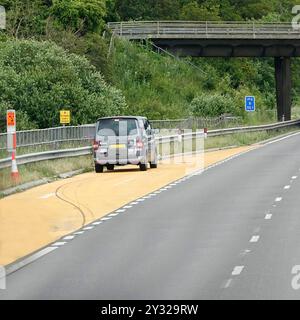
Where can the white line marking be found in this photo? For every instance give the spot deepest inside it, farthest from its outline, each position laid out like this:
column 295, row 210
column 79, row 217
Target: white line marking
column 268, row 216
column 88, row 228
column 294, row 177
column 140, row 200
column 245, row 252
column 133, row 203
column 69, row 238
column 278, row 199
column 97, row 223
column 287, row 187
column 237, row 270
column 105, row 218
column 113, row 214
column 227, row 284
column 47, row 196
column 30, row 259
column 120, row 210
column 283, row 138
column 128, row 207
column 79, row 232
column 58, row 244
column 254, row 239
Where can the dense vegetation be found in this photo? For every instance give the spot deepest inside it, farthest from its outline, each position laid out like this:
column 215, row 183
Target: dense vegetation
column 55, row 57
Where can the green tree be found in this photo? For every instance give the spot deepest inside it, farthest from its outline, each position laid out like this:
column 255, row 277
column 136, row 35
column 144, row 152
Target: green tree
column 40, row 78
column 204, row 12
column 81, row 15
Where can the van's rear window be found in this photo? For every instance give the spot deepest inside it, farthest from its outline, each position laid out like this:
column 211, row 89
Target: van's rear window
column 117, row 127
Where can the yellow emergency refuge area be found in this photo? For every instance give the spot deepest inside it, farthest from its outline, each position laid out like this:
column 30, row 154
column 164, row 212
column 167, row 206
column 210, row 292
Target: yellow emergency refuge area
column 32, row 219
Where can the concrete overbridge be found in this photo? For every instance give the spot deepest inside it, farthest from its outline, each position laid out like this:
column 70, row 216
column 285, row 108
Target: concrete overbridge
column 225, row 39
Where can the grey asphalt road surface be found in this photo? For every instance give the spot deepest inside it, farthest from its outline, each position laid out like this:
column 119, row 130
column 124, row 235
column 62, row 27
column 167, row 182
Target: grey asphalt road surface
column 232, row 232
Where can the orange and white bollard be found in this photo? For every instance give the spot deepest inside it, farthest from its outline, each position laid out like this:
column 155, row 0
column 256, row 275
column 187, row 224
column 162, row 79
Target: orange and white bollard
column 15, row 176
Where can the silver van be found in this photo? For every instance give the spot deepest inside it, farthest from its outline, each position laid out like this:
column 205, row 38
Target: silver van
column 124, row 140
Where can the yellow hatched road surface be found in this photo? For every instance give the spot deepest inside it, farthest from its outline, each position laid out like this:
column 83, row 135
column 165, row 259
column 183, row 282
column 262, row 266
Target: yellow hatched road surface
column 34, row 218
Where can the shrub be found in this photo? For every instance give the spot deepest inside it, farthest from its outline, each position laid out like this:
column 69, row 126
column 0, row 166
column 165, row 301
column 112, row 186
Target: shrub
column 40, row 78
column 212, row 105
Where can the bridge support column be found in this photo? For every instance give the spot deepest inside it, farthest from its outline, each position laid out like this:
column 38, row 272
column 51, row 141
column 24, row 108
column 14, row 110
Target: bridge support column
column 283, row 88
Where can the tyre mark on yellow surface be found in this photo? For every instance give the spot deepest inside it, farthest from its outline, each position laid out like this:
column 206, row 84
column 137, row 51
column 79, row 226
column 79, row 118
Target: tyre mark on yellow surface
column 70, row 202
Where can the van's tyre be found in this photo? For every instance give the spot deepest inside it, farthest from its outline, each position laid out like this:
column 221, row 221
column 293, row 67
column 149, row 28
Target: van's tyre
column 110, row 167
column 153, row 165
column 143, row 166
column 98, row 168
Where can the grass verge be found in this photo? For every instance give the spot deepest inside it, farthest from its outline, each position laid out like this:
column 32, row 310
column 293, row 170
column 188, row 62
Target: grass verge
column 45, row 169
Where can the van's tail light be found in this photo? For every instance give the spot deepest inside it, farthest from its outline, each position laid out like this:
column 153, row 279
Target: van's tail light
column 96, row 145
column 139, row 143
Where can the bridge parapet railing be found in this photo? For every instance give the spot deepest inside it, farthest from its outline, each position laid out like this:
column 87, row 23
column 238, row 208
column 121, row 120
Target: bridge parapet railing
column 206, row 29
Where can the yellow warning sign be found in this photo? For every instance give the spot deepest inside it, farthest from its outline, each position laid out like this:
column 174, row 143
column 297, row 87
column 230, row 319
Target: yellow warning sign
column 65, row 116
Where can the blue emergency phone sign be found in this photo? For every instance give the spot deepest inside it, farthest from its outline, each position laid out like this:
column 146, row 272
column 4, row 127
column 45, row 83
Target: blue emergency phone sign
column 250, row 103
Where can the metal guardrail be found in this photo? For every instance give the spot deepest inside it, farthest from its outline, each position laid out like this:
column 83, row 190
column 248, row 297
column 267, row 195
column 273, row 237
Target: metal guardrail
column 75, row 152
column 85, row 133
column 36, row 137
column 203, row 29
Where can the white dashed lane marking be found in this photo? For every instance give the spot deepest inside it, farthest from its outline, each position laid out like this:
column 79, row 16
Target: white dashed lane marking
column 97, row 223
column 287, row 187
column 114, row 214
column 294, row 177
column 59, row 244
column 237, row 270
column 105, row 218
column 88, row 228
column 69, row 238
column 79, row 232
column 268, row 216
column 254, row 239
column 278, row 199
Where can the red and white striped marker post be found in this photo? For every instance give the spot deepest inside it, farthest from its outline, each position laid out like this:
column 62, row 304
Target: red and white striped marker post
column 12, row 143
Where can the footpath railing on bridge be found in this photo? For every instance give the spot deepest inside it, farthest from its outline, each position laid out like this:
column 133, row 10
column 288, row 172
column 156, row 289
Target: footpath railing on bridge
column 80, row 151
column 203, row 29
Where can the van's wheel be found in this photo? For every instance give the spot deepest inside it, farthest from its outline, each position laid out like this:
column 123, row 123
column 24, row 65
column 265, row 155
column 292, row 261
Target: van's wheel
column 98, row 168
column 110, row 167
column 143, row 166
column 153, row 165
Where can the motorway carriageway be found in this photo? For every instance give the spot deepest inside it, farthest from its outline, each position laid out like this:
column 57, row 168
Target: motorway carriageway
column 32, row 219
column 231, row 232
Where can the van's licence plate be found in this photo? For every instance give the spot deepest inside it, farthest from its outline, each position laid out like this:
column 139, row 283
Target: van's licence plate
column 117, row 146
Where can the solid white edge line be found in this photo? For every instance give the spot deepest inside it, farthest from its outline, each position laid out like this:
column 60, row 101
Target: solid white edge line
column 18, row 265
